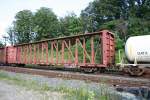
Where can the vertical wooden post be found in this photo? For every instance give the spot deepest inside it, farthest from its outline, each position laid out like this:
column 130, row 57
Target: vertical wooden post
column 46, row 44
column 69, row 54
column 42, row 60
column 35, row 53
column 31, row 53
column 76, row 52
column 21, row 54
column 104, row 47
column 18, row 55
column 28, row 50
column 92, row 50
column 109, row 52
column 51, row 52
column 38, row 54
column 57, row 52
column 62, row 52
column 84, row 53
column 25, row 54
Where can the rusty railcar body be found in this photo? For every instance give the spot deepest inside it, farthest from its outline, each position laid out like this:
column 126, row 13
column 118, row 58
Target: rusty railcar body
column 2, row 55
column 91, row 50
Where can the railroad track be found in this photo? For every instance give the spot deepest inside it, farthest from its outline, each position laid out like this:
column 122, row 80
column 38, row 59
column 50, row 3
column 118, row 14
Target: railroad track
column 114, row 72
column 114, row 80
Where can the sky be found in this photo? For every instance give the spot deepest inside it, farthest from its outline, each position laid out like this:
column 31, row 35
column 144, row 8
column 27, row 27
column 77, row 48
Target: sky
column 9, row 8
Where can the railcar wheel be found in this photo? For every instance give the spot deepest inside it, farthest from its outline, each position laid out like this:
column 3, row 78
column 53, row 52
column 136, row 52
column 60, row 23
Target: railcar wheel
column 135, row 71
column 89, row 70
column 102, row 70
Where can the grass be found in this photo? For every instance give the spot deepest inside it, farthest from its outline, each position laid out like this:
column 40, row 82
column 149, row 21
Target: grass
column 119, row 56
column 83, row 93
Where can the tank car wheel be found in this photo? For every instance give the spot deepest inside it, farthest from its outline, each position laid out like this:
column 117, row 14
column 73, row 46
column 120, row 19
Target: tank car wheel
column 135, row 71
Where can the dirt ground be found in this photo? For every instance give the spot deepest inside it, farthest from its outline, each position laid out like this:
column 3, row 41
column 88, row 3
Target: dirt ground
column 13, row 92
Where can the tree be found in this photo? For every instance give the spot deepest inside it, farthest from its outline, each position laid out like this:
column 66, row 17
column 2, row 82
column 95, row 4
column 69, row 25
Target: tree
column 1, row 44
column 70, row 25
column 102, row 11
column 22, row 26
column 139, row 8
column 120, row 15
column 138, row 26
column 45, row 23
column 11, row 35
column 123, row 17
column 88, row 17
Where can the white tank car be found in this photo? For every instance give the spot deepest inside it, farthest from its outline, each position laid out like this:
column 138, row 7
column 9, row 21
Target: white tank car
column 138, row 47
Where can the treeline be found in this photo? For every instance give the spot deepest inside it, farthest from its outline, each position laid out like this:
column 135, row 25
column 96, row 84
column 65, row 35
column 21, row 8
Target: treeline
column 34, row 26
column 123, row 17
